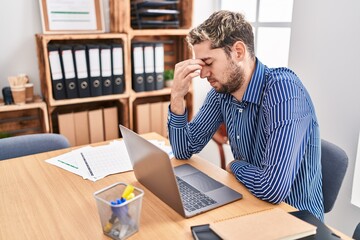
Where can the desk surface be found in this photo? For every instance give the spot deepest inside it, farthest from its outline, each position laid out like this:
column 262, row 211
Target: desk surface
column 42, row 201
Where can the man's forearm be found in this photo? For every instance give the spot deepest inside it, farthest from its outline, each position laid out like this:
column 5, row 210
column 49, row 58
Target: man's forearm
column 177, row 105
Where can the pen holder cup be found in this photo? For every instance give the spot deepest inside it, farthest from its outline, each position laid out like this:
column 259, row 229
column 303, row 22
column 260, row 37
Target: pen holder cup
column 119, row 220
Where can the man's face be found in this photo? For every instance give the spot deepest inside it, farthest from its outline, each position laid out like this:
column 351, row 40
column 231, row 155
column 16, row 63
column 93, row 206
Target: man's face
column 221, row 71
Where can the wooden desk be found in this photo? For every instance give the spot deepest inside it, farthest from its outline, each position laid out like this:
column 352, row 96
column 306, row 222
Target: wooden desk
column 42, row 201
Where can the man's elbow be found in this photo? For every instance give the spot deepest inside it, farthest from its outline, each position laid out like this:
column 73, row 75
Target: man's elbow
column 181, row 155
column 274, row 196
column 273, row 200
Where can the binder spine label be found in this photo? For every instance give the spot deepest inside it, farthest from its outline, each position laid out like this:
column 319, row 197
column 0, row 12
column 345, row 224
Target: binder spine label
column 94, row 62
column 55, row 65
column 149, row 59
column 138, row 61
column 138, row 68
column 159, row 65
column 81, row 67
column 68, row 62
column 105, row 63
column 159, row 58
column 118, row 61
column 118, row 69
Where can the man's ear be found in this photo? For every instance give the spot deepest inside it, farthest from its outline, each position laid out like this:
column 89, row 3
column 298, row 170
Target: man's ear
column 239, row 49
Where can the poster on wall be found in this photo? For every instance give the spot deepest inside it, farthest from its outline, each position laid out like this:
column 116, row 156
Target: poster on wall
column 355, row 196
column 72, row 16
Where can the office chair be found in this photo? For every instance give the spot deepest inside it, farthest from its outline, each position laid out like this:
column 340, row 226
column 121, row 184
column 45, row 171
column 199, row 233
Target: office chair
column 356, row 234
column 18, row 146
column 220, row 138
column 334, row 162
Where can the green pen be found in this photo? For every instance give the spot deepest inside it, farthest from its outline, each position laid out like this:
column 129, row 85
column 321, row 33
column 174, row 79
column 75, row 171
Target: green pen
column 68, row 164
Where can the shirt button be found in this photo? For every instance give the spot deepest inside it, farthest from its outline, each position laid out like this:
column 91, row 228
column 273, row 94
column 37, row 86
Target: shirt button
column 238, row 137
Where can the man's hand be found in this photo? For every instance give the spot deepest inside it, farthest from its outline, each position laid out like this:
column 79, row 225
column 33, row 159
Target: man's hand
column 184, row 72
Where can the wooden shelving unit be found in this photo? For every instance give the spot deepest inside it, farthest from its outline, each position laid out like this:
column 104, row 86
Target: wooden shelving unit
column 58, row 106
column 24, row 119
column 121, row 32
column 175, row 52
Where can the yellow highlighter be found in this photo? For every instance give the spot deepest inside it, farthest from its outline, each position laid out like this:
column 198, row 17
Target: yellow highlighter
column 128, row 192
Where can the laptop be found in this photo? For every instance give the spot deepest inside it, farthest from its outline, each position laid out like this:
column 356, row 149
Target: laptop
column 184, row 188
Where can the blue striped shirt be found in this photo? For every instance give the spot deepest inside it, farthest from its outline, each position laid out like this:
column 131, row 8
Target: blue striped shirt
column 273, row 133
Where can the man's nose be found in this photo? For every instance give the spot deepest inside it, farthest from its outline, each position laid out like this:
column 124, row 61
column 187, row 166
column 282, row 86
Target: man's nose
column 204, row 72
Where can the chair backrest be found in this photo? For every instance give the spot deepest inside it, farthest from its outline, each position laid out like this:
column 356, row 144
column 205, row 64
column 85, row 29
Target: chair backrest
column 356, row 234
column 334, row 162
column 19, row 146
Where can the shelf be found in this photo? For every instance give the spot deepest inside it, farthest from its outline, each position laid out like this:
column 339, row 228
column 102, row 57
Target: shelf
column 82, row 36
column 27, row 121
column 162, row 92
column 56, row 103
column 175, row 50
column 14, row 107
column 159, row 32
column 46, row 85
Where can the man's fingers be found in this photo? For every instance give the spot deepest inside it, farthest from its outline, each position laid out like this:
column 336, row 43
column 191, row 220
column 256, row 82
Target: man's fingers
column 189, row 62
column 193, row 74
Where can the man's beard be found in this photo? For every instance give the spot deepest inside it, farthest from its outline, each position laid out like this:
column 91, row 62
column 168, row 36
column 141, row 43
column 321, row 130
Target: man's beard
column 235, row 79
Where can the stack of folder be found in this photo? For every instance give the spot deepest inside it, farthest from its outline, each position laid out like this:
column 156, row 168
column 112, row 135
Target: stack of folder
column 86, row 70
column 152, row 117
column 147, row 66
column 91, row 126
column 154, row 14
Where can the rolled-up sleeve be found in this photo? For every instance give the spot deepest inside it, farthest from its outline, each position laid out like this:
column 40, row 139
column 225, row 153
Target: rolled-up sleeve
column 187, row 138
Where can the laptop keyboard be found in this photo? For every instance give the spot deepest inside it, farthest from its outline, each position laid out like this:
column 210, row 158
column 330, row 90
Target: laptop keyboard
column 192, row 198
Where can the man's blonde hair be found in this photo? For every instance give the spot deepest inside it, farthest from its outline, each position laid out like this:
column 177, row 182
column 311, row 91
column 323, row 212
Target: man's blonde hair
column 223, row 29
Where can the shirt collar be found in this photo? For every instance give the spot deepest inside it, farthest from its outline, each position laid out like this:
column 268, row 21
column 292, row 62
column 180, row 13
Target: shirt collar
column 254, row 90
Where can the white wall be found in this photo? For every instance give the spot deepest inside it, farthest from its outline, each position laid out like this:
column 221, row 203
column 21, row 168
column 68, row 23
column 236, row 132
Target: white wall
column 201, row 13
column 325, row 53
column 20, row 20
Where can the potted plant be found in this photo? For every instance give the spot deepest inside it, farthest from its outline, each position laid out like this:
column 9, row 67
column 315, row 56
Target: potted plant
column 169, row 77
column 4, row 135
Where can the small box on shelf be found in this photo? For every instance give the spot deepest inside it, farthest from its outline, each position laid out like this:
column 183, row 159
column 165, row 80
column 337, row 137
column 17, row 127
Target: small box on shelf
column 127, row 16
column 24, row 119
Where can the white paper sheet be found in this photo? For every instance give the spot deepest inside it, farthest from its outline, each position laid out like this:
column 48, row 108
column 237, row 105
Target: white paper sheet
column 71, row 14
column 94, row 163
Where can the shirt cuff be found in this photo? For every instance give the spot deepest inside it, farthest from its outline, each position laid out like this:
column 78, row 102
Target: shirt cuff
column 237, row 165
column 177, row 121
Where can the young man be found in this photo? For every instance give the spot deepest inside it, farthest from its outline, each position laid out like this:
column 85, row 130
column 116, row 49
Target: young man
column 269, row 116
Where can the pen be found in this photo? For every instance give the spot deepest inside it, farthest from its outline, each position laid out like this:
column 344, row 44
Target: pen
column 108, row 226
column 87, row 165
column 120, row 212
column 335, row 235
column 111, row 221
column 68, row 164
